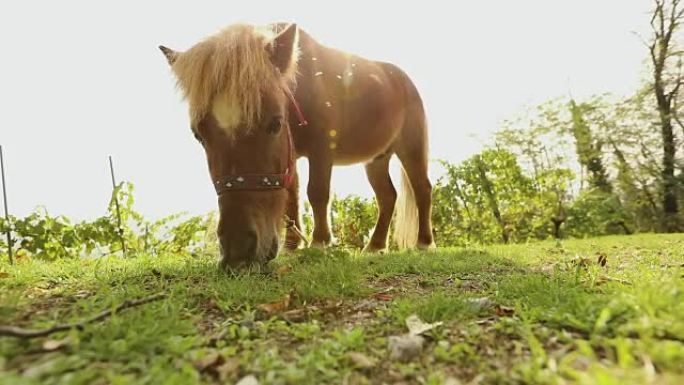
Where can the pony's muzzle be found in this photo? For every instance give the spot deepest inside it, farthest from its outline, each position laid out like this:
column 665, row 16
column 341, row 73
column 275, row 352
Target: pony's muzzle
column 238, row 249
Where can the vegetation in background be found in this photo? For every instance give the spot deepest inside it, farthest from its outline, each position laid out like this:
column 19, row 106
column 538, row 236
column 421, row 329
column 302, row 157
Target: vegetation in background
column 42, row 236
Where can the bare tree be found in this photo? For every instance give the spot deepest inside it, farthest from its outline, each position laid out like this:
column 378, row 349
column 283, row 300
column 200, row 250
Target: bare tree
column 665, row 22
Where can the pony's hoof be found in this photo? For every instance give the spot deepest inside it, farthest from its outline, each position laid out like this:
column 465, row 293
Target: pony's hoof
column 318, row 245
column 426, row 247
column 370, row 249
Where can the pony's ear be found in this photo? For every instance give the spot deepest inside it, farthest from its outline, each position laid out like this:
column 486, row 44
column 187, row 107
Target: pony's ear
column 282, row 48
column 170, row 54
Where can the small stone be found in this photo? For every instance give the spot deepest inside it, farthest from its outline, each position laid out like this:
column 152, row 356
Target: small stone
column 228, row 369
column 208, row 361
column 365, row 305
column 452, row 381
column 482, row 302
column 248, row 380
column 405, row 348
column 359, row 360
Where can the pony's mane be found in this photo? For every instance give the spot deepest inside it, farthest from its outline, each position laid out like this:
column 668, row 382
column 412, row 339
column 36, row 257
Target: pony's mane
column 232, row 63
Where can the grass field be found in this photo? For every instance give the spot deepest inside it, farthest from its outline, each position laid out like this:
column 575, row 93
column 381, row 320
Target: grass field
column 597, row 311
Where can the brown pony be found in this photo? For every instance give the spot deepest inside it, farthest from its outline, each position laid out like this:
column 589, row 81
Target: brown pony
column 261, row 97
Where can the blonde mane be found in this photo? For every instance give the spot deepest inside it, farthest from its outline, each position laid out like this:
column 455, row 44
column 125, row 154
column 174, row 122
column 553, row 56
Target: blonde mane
column 234, row 64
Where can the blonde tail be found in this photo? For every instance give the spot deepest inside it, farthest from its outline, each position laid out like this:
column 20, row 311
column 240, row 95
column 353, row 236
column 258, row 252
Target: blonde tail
column 406, row 219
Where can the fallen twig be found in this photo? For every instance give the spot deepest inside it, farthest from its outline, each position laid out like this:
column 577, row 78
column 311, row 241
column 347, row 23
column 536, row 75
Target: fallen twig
column 13, row 331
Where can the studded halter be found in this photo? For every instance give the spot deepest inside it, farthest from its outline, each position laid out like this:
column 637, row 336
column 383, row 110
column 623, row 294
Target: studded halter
column 273, row 181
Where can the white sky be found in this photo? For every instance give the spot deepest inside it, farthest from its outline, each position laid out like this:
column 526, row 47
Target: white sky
column 83, row 79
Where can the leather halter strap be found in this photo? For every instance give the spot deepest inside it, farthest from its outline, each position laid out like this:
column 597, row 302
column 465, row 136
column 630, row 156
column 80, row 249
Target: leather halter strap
column 273, row 181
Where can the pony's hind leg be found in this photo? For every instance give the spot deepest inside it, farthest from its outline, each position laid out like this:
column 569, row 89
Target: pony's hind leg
column 318, row 191
column 415, row 169
column 378, row 175
column 413, row 227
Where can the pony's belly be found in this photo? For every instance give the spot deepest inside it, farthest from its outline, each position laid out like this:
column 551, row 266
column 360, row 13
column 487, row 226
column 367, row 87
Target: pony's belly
column 349, row 159
column 361, row 150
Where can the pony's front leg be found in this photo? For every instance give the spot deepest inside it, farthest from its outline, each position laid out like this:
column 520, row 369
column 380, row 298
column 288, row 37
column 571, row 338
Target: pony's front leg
column 319, row 196
column 292, row 239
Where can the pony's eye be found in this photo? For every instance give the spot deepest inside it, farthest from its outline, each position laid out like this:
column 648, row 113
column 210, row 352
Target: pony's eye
column 275, row 125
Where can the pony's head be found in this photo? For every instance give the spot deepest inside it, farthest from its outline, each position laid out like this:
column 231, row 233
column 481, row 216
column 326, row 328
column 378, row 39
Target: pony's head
column 237, row 84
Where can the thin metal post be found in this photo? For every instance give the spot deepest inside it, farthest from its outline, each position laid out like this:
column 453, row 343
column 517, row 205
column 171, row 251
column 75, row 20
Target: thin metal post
column 4, row 199
column 116, row 203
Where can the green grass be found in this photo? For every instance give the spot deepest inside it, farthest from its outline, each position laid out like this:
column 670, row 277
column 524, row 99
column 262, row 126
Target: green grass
column 542, row 313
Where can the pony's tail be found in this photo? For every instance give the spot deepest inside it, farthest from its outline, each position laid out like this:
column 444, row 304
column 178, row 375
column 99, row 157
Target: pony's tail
column 406, row 219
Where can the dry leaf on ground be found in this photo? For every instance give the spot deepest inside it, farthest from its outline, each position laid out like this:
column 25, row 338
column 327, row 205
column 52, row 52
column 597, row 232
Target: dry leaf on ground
column 602, row 259
column 228, row 369
column 218, row 366
column 417, row 327
column 207, row 362
column 581, row 261
column 504, row 311
column 52, row 345
column 295, row 315
column 277, row 306
column 603, row 279
column 383, row 297
column 82, row 294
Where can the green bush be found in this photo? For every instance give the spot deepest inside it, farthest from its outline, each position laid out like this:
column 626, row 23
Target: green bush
column 40, row 235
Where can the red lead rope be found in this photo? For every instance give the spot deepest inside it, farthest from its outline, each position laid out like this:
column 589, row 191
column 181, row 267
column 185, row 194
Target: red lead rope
column 289, row 174
column 298, row 111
